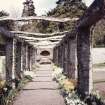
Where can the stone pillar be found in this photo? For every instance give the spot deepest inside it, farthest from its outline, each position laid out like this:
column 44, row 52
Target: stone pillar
column 18, row 60
column 60, row 51
column 10, row 61
column 85, row 83
column 35, row 54
column 62, row 55
column 24, row 56
column 56, row 55
column 65, row 57
column 68, row 55
column 27, row 56
column 59, row 55
column 72, row 61
column 32, row 58
column 56, row 60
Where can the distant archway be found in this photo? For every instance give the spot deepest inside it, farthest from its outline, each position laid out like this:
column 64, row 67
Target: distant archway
column 45, row 53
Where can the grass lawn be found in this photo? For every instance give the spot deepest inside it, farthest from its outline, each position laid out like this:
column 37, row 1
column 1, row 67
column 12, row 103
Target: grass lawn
column 99, row 65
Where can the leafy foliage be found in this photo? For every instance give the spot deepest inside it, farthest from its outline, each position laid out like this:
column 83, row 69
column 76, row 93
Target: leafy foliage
column 8, row 24
column 3, row 13
column 7, row 94
column 99, row 34
column 69, row 91
column 75, row 9
column 68, row 8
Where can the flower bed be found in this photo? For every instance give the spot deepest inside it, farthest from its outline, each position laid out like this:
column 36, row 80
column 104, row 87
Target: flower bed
column 7, row 94
column 68, row 89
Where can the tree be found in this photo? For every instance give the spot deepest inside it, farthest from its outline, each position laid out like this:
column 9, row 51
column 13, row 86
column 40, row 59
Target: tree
column 68, row 8
column 3, row 13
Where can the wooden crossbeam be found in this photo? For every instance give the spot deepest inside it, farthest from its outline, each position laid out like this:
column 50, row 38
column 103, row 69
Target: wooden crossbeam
column 39, row 18
column 41, row 39
column 39, row 35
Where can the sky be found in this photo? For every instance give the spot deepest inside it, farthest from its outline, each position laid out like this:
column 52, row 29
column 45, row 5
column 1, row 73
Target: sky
column 14, row 7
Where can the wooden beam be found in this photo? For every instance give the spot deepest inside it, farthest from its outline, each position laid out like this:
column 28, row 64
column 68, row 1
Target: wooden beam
column 52, row 19
column 39, row 35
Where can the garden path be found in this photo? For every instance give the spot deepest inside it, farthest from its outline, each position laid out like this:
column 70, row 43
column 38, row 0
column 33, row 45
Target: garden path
column 42, row 90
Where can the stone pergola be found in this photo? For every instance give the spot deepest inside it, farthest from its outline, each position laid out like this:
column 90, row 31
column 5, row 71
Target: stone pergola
column 83, row 31
column 20, row 55
column 71, row 50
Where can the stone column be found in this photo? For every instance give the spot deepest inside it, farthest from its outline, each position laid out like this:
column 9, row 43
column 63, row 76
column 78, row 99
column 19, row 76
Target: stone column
column 61, row 55
column 72, row 61
column 57, row 55
column 65, row 57
column 10, row 61
column 68, row 55
column 18, row 60
column 24, row 56
column 32, row 58
column 54, row 55
column 85, row 83
column 27, row 56
column 35, row 54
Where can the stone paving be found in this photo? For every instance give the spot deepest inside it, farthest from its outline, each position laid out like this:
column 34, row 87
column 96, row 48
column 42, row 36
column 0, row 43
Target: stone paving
column 99, row 79
column 42, row 91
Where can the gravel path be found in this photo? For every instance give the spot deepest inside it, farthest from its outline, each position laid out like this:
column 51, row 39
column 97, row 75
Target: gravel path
column 42, row 91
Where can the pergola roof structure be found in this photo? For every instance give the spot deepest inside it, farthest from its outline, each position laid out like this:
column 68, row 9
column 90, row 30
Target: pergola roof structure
column 39, row 39
column 39, row 18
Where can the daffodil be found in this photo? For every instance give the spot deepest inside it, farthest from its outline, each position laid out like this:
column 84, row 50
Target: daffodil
column 68, row 85
column 2, row 83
